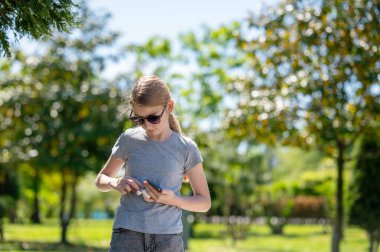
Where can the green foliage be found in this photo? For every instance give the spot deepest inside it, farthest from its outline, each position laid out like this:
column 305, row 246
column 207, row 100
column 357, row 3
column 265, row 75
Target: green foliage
column 58, row 113
column 309, row 195
column 90, row 200
column 316, row 183
column 9, row 194
column 304, row 82
column 153, row 57
column 232, row 173
column 209, row 51
column 305, row 73
column 9, row 191
column 277, row 204
column 9, row 183
column 228, row 167
column 365, row 210
column 37, row 19
column 291, row 162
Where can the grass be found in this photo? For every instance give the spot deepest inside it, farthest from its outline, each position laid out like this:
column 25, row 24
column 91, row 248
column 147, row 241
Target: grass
column 94, row 235
column 309, row 238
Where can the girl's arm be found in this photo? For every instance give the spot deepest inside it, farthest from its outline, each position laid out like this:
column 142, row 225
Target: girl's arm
column 199, row 202
column 106, row 179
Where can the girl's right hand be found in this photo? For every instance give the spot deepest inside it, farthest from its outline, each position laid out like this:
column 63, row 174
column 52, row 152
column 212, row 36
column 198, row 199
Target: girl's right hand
column 127, row 184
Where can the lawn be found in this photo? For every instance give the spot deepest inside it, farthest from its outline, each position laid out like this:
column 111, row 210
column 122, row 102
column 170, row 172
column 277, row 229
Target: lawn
column 94, row 235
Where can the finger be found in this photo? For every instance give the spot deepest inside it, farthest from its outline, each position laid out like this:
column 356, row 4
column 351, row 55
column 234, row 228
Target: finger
column 124, row 187
column 151, row 188
column 120, row 188
column 150, row 200
column 134, row 184
column 145, row 193
column 166, row 192
column 123, row 184
column 151, row 191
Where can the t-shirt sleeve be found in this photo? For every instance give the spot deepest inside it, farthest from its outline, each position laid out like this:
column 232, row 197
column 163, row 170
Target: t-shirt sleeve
column 194, row 156
column 119, row 149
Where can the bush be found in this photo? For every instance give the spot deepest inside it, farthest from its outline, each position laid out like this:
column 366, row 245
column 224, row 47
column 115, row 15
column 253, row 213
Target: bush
column 277, row 213
column 309, row 207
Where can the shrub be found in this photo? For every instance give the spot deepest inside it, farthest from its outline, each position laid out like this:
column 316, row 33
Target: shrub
column 309, row 207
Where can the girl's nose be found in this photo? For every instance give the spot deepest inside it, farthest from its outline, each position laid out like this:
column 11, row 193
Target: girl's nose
column 147, row 125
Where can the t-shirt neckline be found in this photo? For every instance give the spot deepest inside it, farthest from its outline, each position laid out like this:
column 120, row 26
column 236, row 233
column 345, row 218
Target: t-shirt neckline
column 157, row 141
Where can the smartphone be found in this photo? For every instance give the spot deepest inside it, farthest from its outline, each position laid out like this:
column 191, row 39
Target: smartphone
column 154, row 186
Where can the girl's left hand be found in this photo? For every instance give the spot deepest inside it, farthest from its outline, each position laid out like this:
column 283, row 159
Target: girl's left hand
column 164, row 197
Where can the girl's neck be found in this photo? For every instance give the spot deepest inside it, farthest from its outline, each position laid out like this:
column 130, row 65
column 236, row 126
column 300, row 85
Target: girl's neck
column 162, row 136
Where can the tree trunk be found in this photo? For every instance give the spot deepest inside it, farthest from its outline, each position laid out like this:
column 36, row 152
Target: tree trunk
column 339, row 215
column 73, row 200
column 1, row 229
column 66, row 217
column 374, row 237
column 63, row 216
column 35, row 217
column 371, row 243
column 12, row 216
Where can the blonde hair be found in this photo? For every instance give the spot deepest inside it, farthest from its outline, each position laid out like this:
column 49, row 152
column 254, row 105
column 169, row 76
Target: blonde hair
column 151, row 91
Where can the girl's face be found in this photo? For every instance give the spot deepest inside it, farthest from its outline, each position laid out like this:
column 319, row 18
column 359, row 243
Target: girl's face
column 153, row 119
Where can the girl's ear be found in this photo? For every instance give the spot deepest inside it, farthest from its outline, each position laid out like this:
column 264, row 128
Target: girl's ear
column 170, row 106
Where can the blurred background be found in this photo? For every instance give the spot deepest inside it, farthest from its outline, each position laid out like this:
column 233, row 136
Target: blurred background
column 282, row 98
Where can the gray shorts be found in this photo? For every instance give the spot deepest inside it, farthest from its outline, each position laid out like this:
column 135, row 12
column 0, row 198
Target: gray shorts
column 124, row 240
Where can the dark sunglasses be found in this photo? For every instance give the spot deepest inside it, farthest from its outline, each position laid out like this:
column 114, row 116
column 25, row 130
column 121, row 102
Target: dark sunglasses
column 153, row 119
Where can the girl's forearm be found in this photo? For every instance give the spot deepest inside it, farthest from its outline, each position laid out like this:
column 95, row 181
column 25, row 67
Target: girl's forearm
column 196, row 203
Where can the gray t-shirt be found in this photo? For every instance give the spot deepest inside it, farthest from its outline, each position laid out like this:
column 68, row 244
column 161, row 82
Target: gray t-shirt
column 164, row 164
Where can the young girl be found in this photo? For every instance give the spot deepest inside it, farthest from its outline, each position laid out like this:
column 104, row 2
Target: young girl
column 149, row 215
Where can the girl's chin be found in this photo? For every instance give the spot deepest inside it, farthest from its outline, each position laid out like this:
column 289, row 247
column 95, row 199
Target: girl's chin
column 151, row 132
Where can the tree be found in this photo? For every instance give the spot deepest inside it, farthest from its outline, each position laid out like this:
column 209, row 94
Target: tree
column 61, row 111
column 278, row 203
column 305, row 73
column 9, row 194
column 37, row 19
column 233, row 175
column 9, row 179
column 365, row 210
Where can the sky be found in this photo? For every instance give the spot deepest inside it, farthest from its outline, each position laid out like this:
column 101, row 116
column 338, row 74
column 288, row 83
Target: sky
column 139, row 20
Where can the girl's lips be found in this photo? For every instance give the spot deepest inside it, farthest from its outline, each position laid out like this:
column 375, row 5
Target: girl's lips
column 150, row 131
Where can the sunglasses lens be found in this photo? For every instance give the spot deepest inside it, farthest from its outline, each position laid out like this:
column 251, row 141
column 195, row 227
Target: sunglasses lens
column 154, row 119
column 136, row 120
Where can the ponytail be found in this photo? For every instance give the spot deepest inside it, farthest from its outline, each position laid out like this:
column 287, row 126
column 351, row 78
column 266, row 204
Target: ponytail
column 173, row 124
